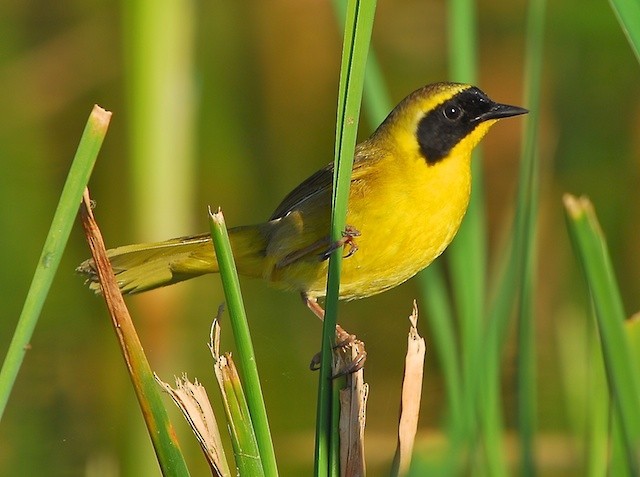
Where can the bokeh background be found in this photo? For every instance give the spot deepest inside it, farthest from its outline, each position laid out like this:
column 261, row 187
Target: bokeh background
column 235, row 110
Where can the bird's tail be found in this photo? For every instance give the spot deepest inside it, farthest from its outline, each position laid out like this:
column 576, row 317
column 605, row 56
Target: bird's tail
column 142, row 267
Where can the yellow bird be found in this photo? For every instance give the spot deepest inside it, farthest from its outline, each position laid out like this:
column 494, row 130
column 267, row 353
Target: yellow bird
column 409, row 192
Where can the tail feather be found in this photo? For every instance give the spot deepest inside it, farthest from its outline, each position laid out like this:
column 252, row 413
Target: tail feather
column 143, row 267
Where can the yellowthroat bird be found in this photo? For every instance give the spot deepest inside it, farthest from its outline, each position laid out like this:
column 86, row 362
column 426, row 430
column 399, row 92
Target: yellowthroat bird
column 409, row 192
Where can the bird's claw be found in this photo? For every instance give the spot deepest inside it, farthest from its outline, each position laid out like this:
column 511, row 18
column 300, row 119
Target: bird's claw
column 350, row 365
column 348, row 238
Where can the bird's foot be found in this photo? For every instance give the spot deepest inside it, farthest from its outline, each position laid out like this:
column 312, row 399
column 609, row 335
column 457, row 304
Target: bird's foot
column 345, row 361
column 345, row 343
column 348, row 239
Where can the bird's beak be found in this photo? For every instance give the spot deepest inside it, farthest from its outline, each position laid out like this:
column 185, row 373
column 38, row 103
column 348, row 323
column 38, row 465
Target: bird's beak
column 498, row 111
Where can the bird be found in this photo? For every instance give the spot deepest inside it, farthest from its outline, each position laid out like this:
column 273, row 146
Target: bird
column 409, row 191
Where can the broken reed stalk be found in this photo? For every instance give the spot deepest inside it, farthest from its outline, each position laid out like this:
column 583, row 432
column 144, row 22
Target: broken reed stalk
column 249, row 460
column 353, row 410
column 193, row 402
column 411, row 395
column 161, row 431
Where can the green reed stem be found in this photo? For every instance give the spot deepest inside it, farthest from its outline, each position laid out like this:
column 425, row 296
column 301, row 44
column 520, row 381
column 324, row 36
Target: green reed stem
column 242, row 337
column 357, row 36
column 622, row 371
column 54, row 245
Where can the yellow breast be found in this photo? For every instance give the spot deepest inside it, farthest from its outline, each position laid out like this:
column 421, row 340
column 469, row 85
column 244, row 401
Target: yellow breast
column 407, row 215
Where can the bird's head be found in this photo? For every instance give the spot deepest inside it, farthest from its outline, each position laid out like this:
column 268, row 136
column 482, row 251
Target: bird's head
column 442, row 119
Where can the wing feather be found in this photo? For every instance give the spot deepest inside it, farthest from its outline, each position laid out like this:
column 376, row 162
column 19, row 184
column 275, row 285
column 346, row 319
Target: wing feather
column 322, row 181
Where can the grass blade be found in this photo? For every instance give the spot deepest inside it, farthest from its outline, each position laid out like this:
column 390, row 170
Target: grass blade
column 584, row 387
column 628, row 14
column 622, row 372
column 598, row 408
column 527, row 205
column 358, row 26
column 440, row 316
column 161, row 99
column 242, row 337
column 468, row 251
column 245, row 446
column 376, row 101
column 463, row 57
column 63, row 219
column 243, row 437
column 618, row 457
column 517, row 282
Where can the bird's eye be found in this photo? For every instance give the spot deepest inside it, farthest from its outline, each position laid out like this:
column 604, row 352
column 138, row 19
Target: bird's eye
column 452, row 111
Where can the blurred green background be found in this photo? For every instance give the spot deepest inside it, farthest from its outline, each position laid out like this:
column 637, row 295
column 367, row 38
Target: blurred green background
column 234, row 109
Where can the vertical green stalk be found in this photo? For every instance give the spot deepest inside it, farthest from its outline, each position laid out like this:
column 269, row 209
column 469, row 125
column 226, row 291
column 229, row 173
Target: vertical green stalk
column 358, row 26
column 467, row 253
column 77, row 179
column 376, row 101
column 159, row 59
column 598, row 405
column 463, row 37
column 441, row 319
column 622, row 371
column 241, row 427
column 526, row 373
column 628, row 14
column 618, row 457
column 527, row 202
column 377, row 104
column 242, row 337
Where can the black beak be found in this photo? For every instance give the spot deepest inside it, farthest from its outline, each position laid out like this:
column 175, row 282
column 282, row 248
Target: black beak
column 498, row 111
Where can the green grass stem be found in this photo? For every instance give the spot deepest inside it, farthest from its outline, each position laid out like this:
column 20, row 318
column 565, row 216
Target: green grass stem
column 463, row 37
column 441, row 320
column 161, row 96
column 242, row 338
column 619, row 465
column 241, row 428
column 54, row 245
column 628, row 14
column 622, row 372
column 598, row 407
column 527, row 205
column 377, row 104
column 376, row 101
column 357, row 35
column 467, row 254
column 466, row 257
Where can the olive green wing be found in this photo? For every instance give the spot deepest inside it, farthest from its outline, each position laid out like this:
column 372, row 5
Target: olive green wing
column 312, row 188
column 299, row 228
